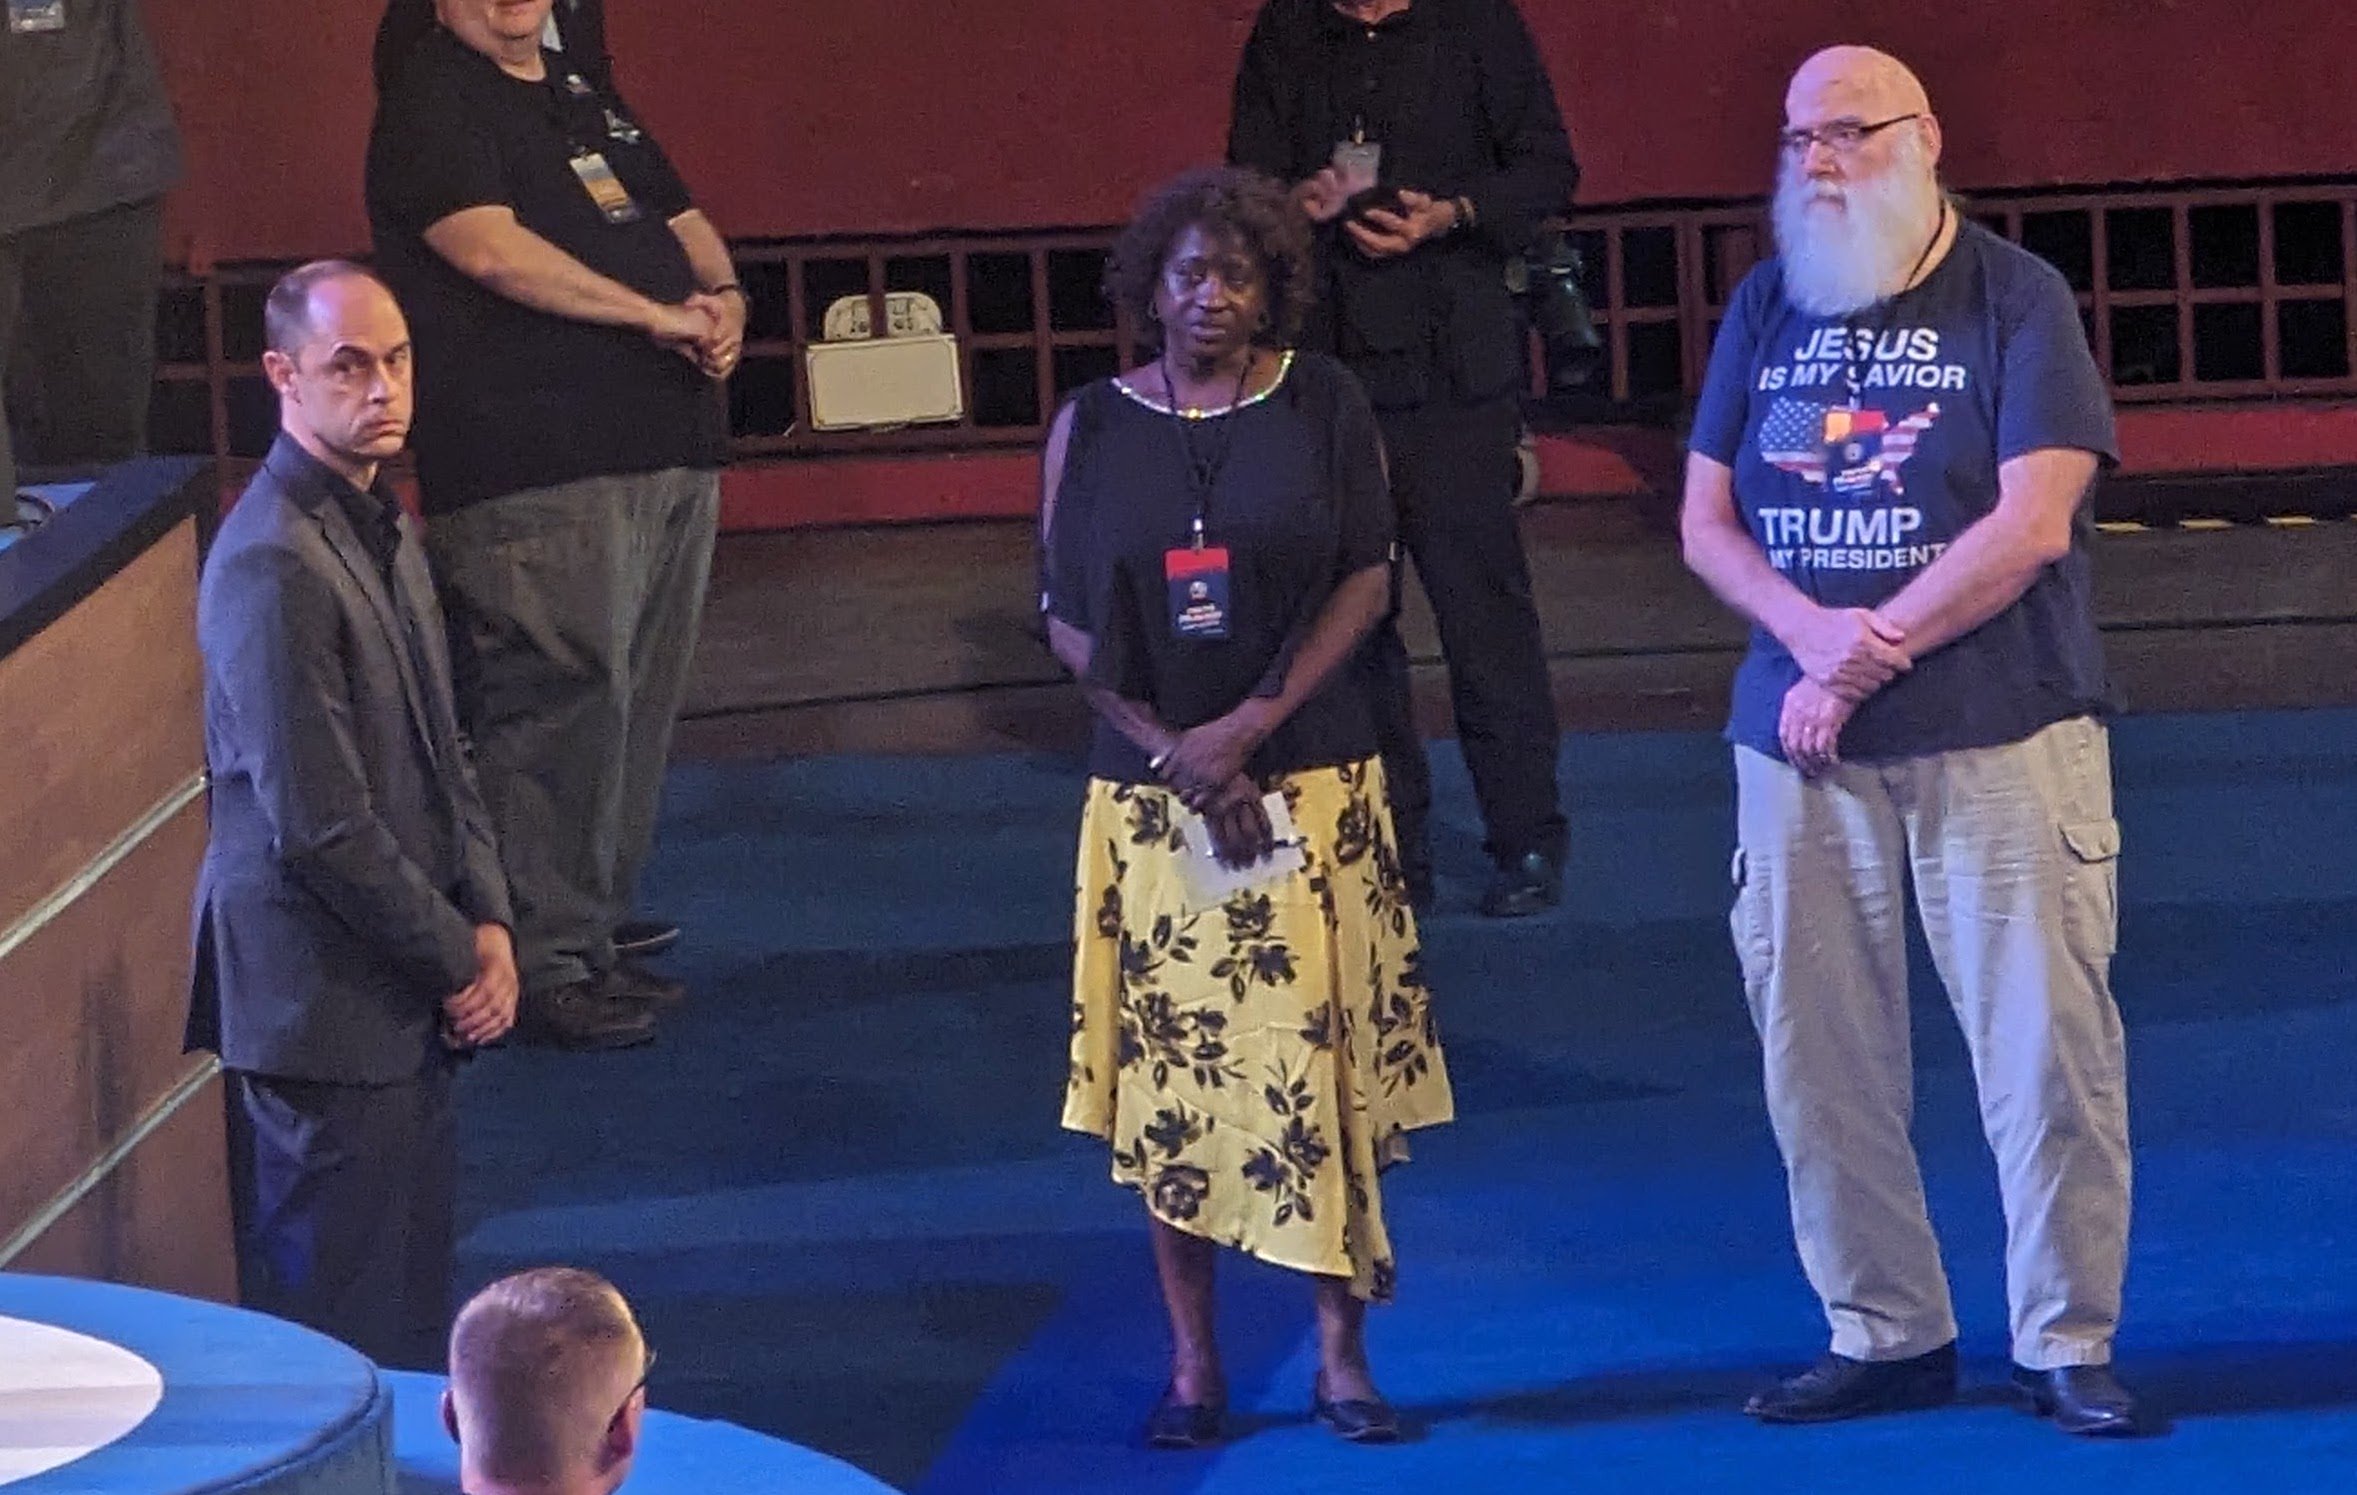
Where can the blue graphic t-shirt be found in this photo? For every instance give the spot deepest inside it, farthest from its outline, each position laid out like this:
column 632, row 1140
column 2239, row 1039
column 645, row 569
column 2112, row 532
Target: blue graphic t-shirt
column 1982, row 362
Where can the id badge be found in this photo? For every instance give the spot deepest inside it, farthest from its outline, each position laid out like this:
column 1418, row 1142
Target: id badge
column 25, row 17
column 1359, row 163
column 1197, row 577
column 605, row 188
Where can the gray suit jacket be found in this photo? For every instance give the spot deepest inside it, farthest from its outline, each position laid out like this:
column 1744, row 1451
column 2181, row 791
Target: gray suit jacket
column 351, row 856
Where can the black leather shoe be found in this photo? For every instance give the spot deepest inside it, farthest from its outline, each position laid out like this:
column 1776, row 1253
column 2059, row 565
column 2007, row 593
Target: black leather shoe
column 636, row 939
column 2084, row 1399
column 587, row 1015
column 1177, row 1424
column 1837, row 1387
column 1354, row 1421
column 1526, row 885
column 649, row 992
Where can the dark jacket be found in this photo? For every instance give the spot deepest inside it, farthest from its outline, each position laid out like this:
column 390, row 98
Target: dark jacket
column 351, row 857
column 1467, row 111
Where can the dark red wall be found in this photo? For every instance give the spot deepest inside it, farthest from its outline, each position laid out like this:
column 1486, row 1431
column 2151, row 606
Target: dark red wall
column 855, row 116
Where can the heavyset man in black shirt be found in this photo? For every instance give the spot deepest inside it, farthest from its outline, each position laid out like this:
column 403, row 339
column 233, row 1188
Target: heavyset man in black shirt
column 1425, row 140
column 573, row 312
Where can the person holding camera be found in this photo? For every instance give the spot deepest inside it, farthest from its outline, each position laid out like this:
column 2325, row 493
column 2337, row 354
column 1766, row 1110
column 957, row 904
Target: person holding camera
column 1423, row 140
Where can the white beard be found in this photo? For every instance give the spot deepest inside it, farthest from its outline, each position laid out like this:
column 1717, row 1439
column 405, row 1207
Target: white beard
column 1847, row 246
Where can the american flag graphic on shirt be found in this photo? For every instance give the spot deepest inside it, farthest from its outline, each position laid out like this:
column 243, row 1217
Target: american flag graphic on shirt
column 1792, row 439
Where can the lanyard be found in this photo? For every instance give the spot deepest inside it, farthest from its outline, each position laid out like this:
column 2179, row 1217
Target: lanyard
column 1204, row 461
column 1852, row 360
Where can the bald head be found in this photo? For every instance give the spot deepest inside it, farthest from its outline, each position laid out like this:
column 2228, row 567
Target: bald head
column 545, row 1367
column 337, row 351
column 1854, row 82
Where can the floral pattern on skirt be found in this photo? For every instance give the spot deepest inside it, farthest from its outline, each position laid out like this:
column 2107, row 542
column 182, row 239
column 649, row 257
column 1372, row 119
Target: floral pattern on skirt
column 1255, row 1064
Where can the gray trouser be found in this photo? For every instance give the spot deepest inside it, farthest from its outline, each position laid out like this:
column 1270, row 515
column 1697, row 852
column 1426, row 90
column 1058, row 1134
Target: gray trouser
column 573, row 614
column 77, row 336
column 2014, row 855
column 344, row 1203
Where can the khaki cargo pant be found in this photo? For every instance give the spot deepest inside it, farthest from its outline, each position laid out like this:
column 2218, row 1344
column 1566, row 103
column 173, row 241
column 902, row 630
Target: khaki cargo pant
column 2013, row 852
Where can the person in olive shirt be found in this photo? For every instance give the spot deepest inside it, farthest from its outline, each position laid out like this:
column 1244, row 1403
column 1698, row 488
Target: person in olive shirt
column 573, row 313
column 1424, row 139
column 87, row 151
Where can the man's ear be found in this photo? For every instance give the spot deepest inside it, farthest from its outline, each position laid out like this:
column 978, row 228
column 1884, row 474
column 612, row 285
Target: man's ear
column 449, row 1403
column 622, row 1434
column 280, row 371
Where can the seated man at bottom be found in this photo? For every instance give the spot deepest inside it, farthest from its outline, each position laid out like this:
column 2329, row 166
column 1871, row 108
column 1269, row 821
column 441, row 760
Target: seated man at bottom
column 548, row 1382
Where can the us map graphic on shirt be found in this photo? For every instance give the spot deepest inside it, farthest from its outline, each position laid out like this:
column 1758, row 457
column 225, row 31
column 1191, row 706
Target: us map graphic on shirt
column 1851, row 461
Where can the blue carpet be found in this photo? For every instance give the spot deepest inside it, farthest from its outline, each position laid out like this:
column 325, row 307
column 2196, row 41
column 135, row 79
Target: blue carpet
column 837, row 1192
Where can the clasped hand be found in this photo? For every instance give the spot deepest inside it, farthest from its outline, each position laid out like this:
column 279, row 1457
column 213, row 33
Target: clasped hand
column 1852, row 651
column 485, row 1009
column 1845, row 655
column 1204, row 767
column 707, row 329
column 1809, row 728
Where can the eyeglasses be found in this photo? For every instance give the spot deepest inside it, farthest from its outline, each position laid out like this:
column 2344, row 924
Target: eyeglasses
column 645, row 1370
column 1842, row 137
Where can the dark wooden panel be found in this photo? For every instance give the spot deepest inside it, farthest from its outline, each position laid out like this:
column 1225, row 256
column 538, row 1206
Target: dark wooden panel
column 160, row 1220
column 105, row 717
column 91, row 1013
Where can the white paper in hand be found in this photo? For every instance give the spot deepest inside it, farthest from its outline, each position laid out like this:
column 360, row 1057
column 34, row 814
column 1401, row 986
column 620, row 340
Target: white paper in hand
column 1210, row 882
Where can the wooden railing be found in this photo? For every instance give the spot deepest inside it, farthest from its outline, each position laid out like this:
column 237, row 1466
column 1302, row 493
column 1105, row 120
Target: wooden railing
column 2190, row 293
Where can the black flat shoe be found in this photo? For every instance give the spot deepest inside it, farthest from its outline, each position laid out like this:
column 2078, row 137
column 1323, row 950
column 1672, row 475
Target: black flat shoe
column 1354, row 1421
column 2084, row 1399
column 1838, row 1387
column 1529, row 884
column 1177, row 1424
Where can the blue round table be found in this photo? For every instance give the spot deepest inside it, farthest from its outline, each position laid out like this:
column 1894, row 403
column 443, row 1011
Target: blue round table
column 248, row 1403
column 677, row 1455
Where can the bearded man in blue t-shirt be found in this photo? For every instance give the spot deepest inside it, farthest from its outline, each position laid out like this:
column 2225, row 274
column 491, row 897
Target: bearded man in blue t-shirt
column 1888, row 476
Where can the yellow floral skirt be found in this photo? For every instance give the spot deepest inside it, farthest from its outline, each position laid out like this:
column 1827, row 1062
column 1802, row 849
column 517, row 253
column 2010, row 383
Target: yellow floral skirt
column 1255, row 1064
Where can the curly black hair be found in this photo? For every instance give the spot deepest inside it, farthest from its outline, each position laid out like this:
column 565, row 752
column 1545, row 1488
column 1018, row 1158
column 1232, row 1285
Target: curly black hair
column 1235, row 203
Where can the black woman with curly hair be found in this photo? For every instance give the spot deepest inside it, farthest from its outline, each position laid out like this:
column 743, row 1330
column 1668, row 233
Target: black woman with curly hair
column 1251, row 1031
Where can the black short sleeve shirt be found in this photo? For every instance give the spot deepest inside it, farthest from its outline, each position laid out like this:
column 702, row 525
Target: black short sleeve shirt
column 1298, row 500
column 509, row 398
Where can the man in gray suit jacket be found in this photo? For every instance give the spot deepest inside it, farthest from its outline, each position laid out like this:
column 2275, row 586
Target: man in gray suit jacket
column 351, row 919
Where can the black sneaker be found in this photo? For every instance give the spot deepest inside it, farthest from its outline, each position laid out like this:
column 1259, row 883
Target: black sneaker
column 1837, row 1387
column 1528, row 884
column 636, row 939
column 585, row 1016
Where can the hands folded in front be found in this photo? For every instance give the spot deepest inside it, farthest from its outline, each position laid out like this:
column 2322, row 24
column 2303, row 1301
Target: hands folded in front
column 707, row 329
column 1845, row 655
column 485, row 1009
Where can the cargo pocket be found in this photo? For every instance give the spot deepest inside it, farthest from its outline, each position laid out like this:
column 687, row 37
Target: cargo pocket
column 1755, row 951
column 2091, row 893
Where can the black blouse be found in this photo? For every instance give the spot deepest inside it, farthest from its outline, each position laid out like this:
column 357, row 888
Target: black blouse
column 1298, row 500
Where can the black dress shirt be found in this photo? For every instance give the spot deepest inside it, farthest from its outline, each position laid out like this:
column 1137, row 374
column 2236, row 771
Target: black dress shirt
column 1455, row 94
